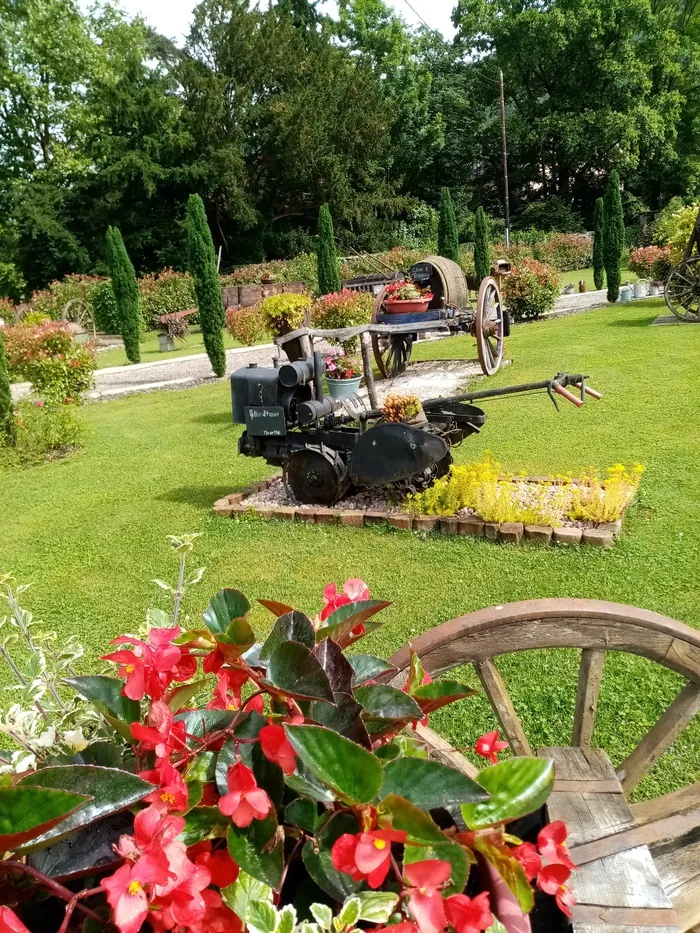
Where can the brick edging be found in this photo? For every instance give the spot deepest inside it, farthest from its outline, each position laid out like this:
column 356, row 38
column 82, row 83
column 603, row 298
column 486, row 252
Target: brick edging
column 603, row 535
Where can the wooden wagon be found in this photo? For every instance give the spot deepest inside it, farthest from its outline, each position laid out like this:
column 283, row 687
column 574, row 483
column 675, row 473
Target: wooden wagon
column 639, row 863
column 682, row 291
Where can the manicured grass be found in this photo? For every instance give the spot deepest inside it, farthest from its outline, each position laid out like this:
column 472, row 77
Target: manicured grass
column 90, row 531
column 575, row 276
column 192, row 343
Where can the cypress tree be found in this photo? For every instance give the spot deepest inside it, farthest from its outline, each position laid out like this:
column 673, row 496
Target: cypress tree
column 7, row 424
column 481, row 247
column 613, row 236
column 326, row 255
column 448, row 240
column 126, row 293
column 598, row 238
column 201, row 262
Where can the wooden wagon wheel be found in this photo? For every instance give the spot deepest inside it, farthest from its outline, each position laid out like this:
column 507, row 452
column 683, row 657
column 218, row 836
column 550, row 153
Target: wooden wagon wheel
column 391, row 353
column 488, row 327
column 682, row 292
column 631, row 858
column 76, row 311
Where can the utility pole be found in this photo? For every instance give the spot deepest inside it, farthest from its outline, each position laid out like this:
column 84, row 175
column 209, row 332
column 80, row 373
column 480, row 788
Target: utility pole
column 504, row 146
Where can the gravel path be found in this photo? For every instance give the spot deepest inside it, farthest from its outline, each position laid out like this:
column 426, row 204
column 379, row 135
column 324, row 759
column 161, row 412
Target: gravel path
column 186, row 371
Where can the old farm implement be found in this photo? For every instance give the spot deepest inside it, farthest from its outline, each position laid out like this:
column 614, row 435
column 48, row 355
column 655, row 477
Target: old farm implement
column 325, row 449
column 683, row 284
column 450, row 312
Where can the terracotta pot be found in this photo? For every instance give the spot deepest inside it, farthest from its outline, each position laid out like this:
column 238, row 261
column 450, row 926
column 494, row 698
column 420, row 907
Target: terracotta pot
column 406, row 306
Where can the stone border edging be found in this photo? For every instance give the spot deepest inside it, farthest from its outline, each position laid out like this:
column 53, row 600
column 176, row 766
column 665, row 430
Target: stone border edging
column 234, row 506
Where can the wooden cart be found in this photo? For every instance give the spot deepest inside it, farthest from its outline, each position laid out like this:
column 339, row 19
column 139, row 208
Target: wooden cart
column 683, row 284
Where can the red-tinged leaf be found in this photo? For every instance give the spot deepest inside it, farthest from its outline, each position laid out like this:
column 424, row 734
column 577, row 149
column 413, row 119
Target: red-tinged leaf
column 518, row 786
column 368, row 667
column 28, row 812
column 236, row 640
column 196, row 637
column 277, row 609
column 352, row 772
column 416, row 673
column 440, row 693
column 224, row 608
column 340, row 623
column 509, row 869
column 294, row 671
column 292, row 626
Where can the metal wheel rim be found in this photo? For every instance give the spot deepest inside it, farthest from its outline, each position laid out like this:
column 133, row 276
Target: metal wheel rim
column 682, row 292
column 391, row 354
column 488, row 327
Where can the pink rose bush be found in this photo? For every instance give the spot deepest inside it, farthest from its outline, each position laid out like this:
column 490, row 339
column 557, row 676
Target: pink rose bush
column 242, row 772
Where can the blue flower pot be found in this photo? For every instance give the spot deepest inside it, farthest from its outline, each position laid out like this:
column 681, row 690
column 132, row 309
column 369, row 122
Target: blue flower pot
column 342, row 388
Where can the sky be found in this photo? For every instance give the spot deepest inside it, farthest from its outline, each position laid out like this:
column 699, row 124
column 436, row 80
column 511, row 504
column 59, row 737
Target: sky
column 171, row 17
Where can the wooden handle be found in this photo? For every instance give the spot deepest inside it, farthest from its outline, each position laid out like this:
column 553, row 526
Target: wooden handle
column 560, row 390
column 589, row 391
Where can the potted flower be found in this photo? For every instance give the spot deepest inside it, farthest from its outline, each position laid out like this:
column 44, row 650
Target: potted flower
column 343, row 375
column 172, row 327
column 406, row 408
column 406, row 297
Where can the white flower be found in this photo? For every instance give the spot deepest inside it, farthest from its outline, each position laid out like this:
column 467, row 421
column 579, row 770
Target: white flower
column 46, row 739
column 74, row 739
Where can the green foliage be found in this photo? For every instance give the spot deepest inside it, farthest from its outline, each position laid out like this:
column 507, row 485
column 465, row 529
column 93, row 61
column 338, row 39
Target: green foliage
column 326, row 255
column 531, row 289
column 164, row 293
column 651, row 262
column 51, row 301
column 41, row 429
column 201, row 261
column 613, row 235
column 448, row 241
column 598, row 239
column 554, row 214
column 126, row 293
column 481, row 247
column 247, row 325
column 46, row 355
column 12, row 283
column 283, row 313
column 7, row 423
column 674, row 226
column 104, row 308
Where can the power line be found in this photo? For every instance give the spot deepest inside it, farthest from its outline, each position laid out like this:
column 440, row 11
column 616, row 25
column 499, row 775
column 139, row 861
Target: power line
column 416, row 13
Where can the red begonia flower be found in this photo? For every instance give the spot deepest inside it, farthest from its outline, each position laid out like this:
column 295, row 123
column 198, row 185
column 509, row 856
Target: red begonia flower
column 276, row 747
column 217, row 917
column 256, row 704
column 10, row 922
column 172, row 793
column 227, row 694
column 186, row 905
column 529, row 858
column 133, row 669
column 343, row 855
column 213, row 661
column 354, row 591
column 405, row 927
column 489, row 746
column 373, row 854
column 164, row 735
column 220, row 865
column 245, row 801
column 552, row 880
column 469, row 914
column 127, row 897
column 425, row 900
column 550, row 842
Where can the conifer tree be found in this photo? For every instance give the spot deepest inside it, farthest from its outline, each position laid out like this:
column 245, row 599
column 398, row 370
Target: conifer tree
column 613, row 236
column 481, row 246
column 126, row 293
column 598, row 238
column 448, row 240
column 201, row 262
column 326, row 255
column 7, row 424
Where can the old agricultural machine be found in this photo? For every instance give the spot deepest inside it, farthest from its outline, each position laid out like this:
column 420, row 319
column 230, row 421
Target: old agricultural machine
column 683, row 284
column 324, row 449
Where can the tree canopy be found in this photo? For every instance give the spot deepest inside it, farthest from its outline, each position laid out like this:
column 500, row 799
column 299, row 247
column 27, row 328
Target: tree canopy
column 269, row 113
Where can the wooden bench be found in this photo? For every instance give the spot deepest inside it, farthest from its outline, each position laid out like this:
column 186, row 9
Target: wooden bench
column 639, row 864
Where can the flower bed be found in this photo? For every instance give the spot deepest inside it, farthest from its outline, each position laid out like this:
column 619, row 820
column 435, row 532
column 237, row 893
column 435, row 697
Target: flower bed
column 230, row 784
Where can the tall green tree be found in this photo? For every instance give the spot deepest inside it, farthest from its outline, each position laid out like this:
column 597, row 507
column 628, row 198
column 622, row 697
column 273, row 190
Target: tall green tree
column 481, row 246
column 598, row 240
column 326, row 254
column 126, row 294
column 448, row 239
column 613, row 235
column 7, row 423
column 201, row 262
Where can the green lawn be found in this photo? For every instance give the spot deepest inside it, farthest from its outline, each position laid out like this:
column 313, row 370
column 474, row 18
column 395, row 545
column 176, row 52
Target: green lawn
column 90, row 531
column 150, row 353
column 575, row 276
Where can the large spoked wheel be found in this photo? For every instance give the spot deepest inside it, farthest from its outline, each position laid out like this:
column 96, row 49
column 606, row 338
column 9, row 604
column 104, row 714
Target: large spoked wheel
column 683, row 290
column 76, row 311
column 392, row 352
column 488, row 327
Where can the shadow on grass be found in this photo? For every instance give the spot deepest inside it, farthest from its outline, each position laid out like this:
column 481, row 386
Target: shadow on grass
column 202, row 497
column 634, row 322
column 214, row 417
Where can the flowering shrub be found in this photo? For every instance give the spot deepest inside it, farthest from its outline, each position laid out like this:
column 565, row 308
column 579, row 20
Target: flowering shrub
column 406, row 291
column 284, row 313
column 342, row 309
column 340, row 366
column 7, row 310
column 565, row 251
column 257, row 770
column 673, row 228
column 401, row 407
column 52, row 300
column 45, row 355
column 247, row 325
column 165, row 293
column 483, row 488
column 42, row 428
column 301, row 268
column 530, row 290
column 651, row 262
